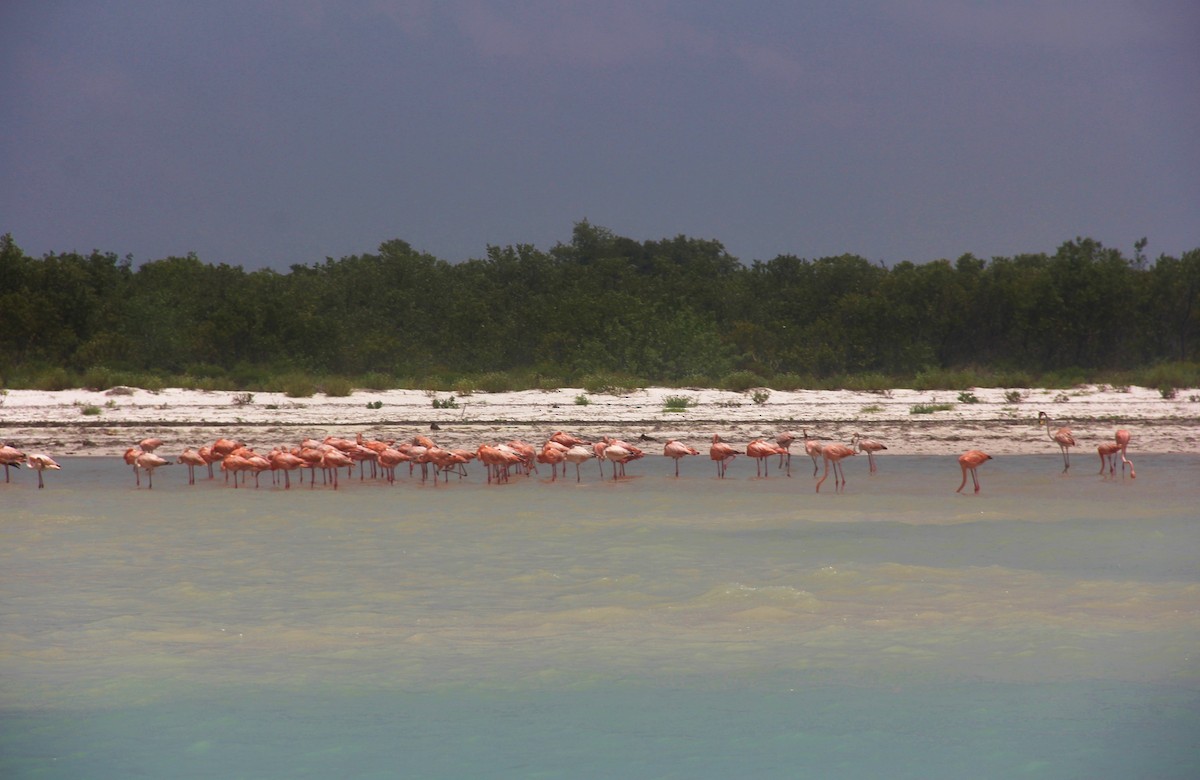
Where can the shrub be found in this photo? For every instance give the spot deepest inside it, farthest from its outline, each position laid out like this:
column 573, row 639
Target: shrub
column 445, row 403
column 298, row 386
column 790, row 382
column 869, row 383
column 967, row 397
column 872, row 409
column 1013, row 396
column 337, row 387
column 98, row 378
column 582, row 400
column 89, row 410
column 741, row 381
column 760, row 396
column 929, row 408
column 677, row 403
column 243, row 399
column 607, row 384
column 1168, row 392
column 53, row 379
column 495, row 382
column 376, row 381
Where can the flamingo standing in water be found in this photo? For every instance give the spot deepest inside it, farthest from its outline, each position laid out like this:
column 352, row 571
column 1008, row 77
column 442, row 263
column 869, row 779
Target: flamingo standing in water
column 784, row 439
column 149, row 445
column 192, row 459
column 579, row 454
column 40, row 463
column 812, row 448
column 762, row 451
column 1123, row 440
column 1062, row 437
column 678, row 450
column 148, row 462
column 11, row 457
column 131, row 455
column 554, row 454
column 722, row 453
column 833, row 453
column 1108, row 456
column 969, row 461
column 620, row 452
column 869, row 446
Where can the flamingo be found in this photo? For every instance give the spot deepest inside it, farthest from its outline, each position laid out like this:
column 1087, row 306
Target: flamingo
column 619, row 455
column 762, row 451
column 969, row 461
column 1062, row 437
column 1123, row 440
column 11, row 457
column 149, row 445
column 598, row 448
column 222, row 447
column 334, row 459
column 257, row 464
column 131, row 456
column 39, row 463
column 722, row 453
column 527, row 453
column 206, row 453
column 869, row 446
column 579, row 454
column 784, row 439
column 554, row 456
column 287, row 463
column 812, row 448
column 1108, row 456
column 567, row 440
column 232, row 464
column 678, row 450
column 192, row 459
column 148, row 462
column 833, row 453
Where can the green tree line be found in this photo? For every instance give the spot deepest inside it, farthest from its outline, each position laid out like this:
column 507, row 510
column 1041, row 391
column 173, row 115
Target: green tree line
column 679, row 310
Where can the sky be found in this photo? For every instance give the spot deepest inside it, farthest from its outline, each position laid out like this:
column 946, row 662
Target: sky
column 267, row 133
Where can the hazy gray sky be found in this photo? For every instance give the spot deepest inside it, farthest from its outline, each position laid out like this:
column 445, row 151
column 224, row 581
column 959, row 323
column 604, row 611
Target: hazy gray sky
column 272, row 132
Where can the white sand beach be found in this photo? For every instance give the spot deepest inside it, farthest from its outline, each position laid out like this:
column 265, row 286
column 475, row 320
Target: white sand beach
column 84, row 422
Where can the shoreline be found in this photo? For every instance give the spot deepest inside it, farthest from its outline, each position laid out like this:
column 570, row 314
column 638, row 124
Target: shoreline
column 104, row 423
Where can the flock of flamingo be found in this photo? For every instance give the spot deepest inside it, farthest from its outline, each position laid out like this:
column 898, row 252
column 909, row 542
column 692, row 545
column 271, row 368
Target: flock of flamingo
column 332, row 454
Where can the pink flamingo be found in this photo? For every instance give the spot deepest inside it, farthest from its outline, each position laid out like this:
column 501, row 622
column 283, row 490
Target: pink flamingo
column 40, row 463
column 579, row 454
column 833, row 453
column 1108, row 456
column 1123, row 440
column 762, row 451
column 784, row 439
column 1062, row 437
column 149, row 445
column 192, row 459
column 552, row 455
column 287, row 463
column 721, row 453
column 812, row 448
column 678, row 450
column 869, row 446
column 148, row 462
column 11, row 457
column 969, row 461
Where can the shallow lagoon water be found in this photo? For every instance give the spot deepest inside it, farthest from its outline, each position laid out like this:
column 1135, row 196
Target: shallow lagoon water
column 652, row 627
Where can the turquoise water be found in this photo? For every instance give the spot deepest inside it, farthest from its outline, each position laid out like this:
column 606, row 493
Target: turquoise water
column 654, row 627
